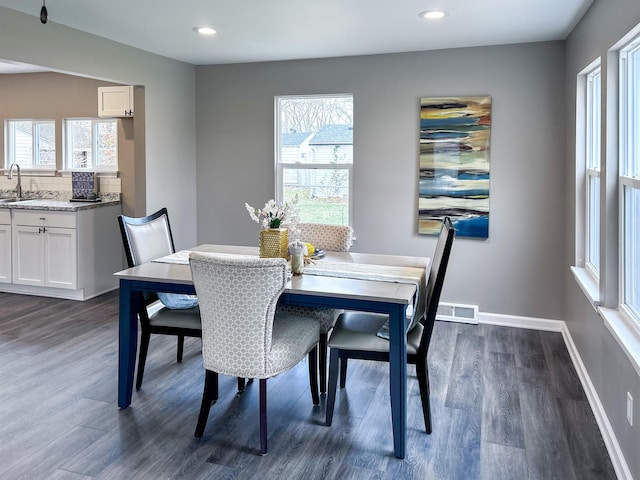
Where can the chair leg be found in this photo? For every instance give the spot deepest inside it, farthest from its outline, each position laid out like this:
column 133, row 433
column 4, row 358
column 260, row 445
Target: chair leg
column 180, row 348
column 142, row 356
column 322, row 353
column 333, row 384
column 209, row 396
column 313, row 375
column 241, row 384
column 422, row 373
column 263, row 416
column 343, row 372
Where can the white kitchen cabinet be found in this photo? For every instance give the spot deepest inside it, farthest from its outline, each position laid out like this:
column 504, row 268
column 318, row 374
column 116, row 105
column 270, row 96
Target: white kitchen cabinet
column 5, row 246
column 115, row 101
column 45, row 250
column 63, row 253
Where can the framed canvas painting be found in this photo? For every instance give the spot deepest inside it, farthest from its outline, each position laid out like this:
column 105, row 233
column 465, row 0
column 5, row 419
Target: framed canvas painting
column 454, row 165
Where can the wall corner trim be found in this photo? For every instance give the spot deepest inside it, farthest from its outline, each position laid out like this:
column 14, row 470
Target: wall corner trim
column 608, row 435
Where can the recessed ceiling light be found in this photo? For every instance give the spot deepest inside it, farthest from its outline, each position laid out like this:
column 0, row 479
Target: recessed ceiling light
column 433, row 14
column 204, row 30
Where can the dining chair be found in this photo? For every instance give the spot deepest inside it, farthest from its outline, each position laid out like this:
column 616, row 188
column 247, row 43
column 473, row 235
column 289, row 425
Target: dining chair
column 145, row 239
column 242, row 333
column 334, row 238
column 355, row 333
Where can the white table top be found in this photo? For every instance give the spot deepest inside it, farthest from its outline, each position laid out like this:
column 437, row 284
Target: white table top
column 315, row 285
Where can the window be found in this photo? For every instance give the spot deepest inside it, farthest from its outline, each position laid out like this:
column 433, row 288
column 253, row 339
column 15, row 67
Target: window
column 314, row 156
column 91, row 144
column 629, row 181
column 592, row 187
column 31, row 144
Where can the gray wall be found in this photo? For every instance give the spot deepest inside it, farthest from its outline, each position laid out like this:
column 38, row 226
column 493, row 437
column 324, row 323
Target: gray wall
column 170, row 163
column 611, row 372
column 518, row 270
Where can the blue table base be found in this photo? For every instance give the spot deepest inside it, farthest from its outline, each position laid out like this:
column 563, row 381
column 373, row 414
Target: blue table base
column 128, row 342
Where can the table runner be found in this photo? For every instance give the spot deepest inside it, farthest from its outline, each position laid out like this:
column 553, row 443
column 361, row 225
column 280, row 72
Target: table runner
column 385, row 273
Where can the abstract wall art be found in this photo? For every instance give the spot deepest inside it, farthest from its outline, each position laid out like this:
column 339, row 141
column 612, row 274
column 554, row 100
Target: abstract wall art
column 454, row 165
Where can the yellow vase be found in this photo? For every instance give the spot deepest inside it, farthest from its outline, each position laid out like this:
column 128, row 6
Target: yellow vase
column 273, row 243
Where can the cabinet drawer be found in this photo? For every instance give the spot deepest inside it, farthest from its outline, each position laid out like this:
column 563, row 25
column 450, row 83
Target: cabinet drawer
column 5, row 217
column 44, row 218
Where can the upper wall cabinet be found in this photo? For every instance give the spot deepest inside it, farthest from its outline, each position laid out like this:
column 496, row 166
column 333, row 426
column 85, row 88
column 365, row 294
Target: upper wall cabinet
column 115, row 101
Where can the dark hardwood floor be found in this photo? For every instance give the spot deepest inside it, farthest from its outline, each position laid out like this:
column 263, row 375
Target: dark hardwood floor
column 506, row 404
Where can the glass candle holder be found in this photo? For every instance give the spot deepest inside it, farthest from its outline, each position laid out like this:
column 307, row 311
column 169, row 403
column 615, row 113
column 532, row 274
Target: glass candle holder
column 297, row 263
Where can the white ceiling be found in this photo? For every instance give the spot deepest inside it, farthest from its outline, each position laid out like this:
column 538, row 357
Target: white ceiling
column 266, row 30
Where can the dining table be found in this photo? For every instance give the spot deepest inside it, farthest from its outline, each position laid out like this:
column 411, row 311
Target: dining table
column 374, row 293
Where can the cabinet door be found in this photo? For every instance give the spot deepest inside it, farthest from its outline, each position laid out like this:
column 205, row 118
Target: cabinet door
column 5, row 253
column 28, row 255
column 115, row 101
column 61, row 268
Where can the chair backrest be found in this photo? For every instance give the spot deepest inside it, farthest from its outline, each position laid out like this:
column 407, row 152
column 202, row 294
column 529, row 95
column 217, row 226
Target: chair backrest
column 334, row 238
column 146, row 238
column 238, row 297
column 436, row 280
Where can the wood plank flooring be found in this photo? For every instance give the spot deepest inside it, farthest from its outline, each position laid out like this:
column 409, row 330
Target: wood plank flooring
column 506, row 404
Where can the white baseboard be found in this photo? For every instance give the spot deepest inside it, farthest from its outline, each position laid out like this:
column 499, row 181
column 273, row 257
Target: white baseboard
column 608, row 435
column 521, row 322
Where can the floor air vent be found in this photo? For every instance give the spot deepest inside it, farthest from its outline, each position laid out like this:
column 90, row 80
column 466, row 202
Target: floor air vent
column 454, row 312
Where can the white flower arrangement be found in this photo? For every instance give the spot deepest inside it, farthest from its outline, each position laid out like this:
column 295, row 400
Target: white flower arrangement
column 273, row 214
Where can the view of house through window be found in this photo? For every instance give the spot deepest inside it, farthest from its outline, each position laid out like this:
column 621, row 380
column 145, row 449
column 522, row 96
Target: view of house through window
column 91, row 144
column 314, row 155
column 31, row 143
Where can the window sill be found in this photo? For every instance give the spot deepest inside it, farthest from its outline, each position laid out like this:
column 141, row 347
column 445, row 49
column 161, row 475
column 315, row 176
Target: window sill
column 33, row 173
column 67, row 173
column 626, row 332
column 588, row 284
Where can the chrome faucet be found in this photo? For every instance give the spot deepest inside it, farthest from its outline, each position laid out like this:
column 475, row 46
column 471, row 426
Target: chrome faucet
column 10, row 176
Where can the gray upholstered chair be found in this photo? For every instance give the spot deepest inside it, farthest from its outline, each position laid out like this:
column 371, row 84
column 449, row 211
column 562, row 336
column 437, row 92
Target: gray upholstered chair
column 334, row 238
column 242, row 335
column 355, row 333
column 146, row 239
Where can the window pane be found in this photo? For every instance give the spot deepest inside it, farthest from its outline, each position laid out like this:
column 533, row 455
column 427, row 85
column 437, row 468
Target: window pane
column 631, row 257
column 106, row 144
column 316, row 130
column 593, row 120
column 630, row 166
column 79, row 143
column 46, row 135
column 593, row 235
column 22, row 143
column 323, row 194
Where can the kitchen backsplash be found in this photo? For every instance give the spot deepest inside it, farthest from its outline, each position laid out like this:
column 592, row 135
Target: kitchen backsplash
column 55, row 187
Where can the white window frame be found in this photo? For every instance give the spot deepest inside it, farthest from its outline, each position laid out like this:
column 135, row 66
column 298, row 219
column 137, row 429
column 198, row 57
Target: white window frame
column 10, row 149
column 588, row 165
column 68, row 152
column 629, row 163
column 593, row 134
column 280, row 166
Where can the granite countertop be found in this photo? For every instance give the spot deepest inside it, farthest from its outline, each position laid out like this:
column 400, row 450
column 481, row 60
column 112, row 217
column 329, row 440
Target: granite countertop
column 55, row 204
